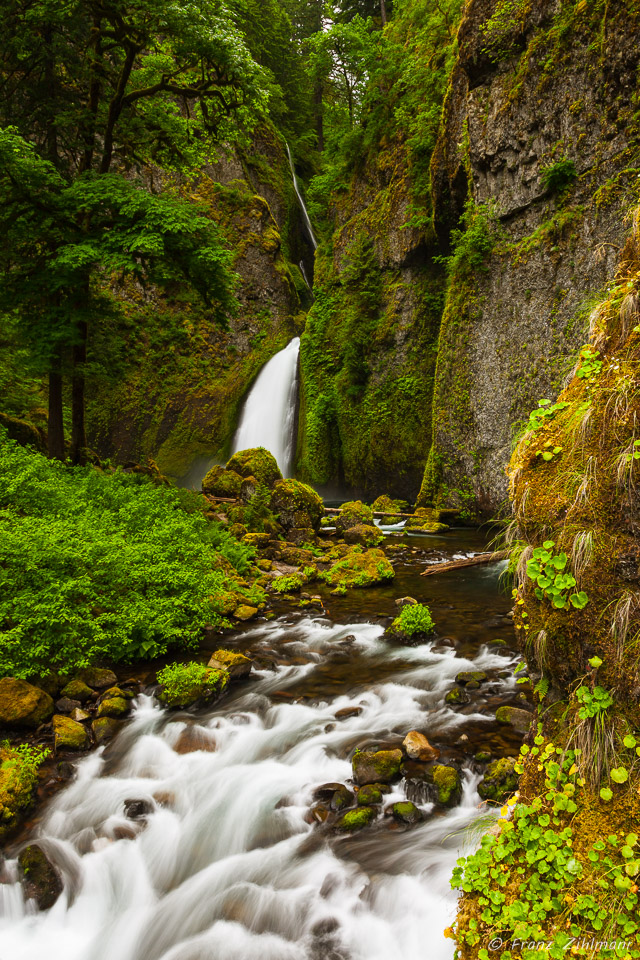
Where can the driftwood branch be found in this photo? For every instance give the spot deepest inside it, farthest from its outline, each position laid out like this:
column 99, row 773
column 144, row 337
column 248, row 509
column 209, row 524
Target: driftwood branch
column 467, row 562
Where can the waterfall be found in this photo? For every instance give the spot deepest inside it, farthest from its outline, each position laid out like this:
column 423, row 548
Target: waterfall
column 269, row 414
column 305, row 215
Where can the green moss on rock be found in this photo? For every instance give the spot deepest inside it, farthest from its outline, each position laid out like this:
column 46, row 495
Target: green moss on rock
column 360, row 569
column 296, row 505
column 356, row 819
column 68, row 734
column 364, row 534
column 220, row 482
column 256, row 462
column 22, row 704
column 376, row 766
column 353, row 514
column 500, row 780
column 448, row 784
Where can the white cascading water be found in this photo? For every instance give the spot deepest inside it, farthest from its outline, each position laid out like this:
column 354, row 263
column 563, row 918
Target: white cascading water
column 226, row 867
column 303, row 207
column 269, row 414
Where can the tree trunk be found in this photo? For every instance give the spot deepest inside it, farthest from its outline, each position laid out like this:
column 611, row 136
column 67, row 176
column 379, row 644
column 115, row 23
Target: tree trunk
column 383, row 12
column 78, row 430
column 317, row 102
column 55, row 433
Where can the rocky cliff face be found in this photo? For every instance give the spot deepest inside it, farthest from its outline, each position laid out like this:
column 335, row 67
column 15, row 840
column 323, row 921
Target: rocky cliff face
column 179, row 388
column 540, row 137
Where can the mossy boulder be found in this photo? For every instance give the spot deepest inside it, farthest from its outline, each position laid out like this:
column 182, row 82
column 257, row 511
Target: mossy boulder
column 297, row 505
column 41, row 881
column 360, row 568
column 68, row 734
column 18, row 779
column 376, row 766
column 114, row 707
column 519, row 719
column 236, row 664
column 77, row 690
column 183, row 685
column 369, row 795
column 352, row 514
column 98, row 678
column 406, row 812
column 500, row 780
column 447, row 784
column 457, row 697
column 104, row 728
column 23, row 705
column 385, row 504
column 354, row 820
column 364, row 534
column 23, row 432
column 220, row 482
column 466, row 677
column 256, row 462
column 257, row 540
column 426, row 519
column 245, row 612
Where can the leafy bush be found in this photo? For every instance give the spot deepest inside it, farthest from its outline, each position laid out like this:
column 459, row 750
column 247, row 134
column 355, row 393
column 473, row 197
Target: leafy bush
column 102, row 565
column 559, row 176
column 184, row 683
column 18, row 776
column 414, row 618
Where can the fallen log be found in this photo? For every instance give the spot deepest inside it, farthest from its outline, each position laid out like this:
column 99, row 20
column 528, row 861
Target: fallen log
column 376, row 513
column 467, row 562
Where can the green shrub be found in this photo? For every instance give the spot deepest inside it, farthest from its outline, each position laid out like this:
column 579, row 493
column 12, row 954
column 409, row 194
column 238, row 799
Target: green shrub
column 184, row 683
column 99, row 565
column 414, row 618
column 559, row 176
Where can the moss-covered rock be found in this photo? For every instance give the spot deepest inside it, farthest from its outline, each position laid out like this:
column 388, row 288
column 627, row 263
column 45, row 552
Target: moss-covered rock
column 370, row 795
column 245, row 612
column 360, row 568
column 236, row 664
column 500, row 780
column 364, row 534
column 41, row 880
column 393, row 508
column 519, row 719
column 466, row 677
column 69, row 735
column 376, row 766
column 184, row 684
column 77, row 690
column 104, row 728
column 22, row 704
column 256, row 462
column 352, row 514
column 354, row 820
column 98, row 678
column 18, row 779
column 457, row 697
column 447, row 783
column 406, row 812
column 220, row 482
column 114, row 707
column 296, row 505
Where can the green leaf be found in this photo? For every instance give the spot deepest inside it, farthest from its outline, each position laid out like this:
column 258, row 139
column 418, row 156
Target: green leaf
column 620, row 775
column 606, row 794
column 595, row 662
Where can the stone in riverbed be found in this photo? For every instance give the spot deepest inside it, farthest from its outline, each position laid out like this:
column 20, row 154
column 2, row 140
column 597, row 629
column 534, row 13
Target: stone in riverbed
column 105, row 728
column 98, row 678
column 457, row 697
column 406, row 812
column 417, row 747
column 369, row 795
column 23, row 705
column 77, row 690
column 466, row 677
column 41, row 880
column 376, row 766
column 336, row 795
column 447, row 783
column 113, row 707
column 245, row 612
column 500, row 780
column 236, row 664
column 364, row 534
column 79, row 715
column 355, row 820
column 68, row 734
column 520, row 720
column 297, row 506
column 346, row 712
column 66, row 706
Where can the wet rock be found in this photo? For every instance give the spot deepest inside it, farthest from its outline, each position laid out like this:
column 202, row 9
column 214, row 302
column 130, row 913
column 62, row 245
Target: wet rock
column 373, row 766
column 417, row 747
column 194, row 738
column 352, row 514
column 406, row 602
column 79, row 715
column 41, row 880
column 116, row 692
column 364, row 534
column 519, row 719
column 319, row 813
column 77, row 690
column 369, row 795
column 248, row 489
column 23, row 705
column 500, row 780
column 406, row 812
column 245, row 612
column 137, row 809
column 236, row 664
column 297, row 506
column 64, row 705
column 105, row 728
column 256, row 462
column 114, row 707
column 346, row 712
column 447, row 784
column 68, row 734
column 360, row 568
column 457, row 697
column 219, row 482
column 98, row 678
column 482, row 757
column 466, row 677
column 355, row 820
column 259, row 541
column 336, row 795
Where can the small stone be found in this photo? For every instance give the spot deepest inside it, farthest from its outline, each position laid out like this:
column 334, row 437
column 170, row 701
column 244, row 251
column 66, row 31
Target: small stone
column 457, row 697
column 465, row 677
column 369, row 795
column 447, row 783
column 519, row 719
column 113, row 707
column 41, row 880
column 406, row 602
column 245, row 612
column 23, row 705
column 77, row 690
column 406, row 812
column 336, row 795
column 68, row 734
column 98, row 678
column 373, row 766
column 137, row 809
column 105, row 728
column 355, row 820
column 79, row 715
column 64, row 705
column 346, row 712
column 116, row 692
column 236, row 664
column 417, row 747
column 319, row 813
column 500, row 780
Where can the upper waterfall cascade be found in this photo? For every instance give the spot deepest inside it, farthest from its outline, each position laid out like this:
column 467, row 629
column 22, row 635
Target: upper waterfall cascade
column 303, row 208
column 269, row 414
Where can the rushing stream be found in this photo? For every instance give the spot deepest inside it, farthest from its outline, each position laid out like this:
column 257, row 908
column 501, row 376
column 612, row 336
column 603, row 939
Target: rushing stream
column 227, row 865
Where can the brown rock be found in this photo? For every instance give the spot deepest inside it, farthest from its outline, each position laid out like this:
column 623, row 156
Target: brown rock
column 23, row 705
column 417, row 747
